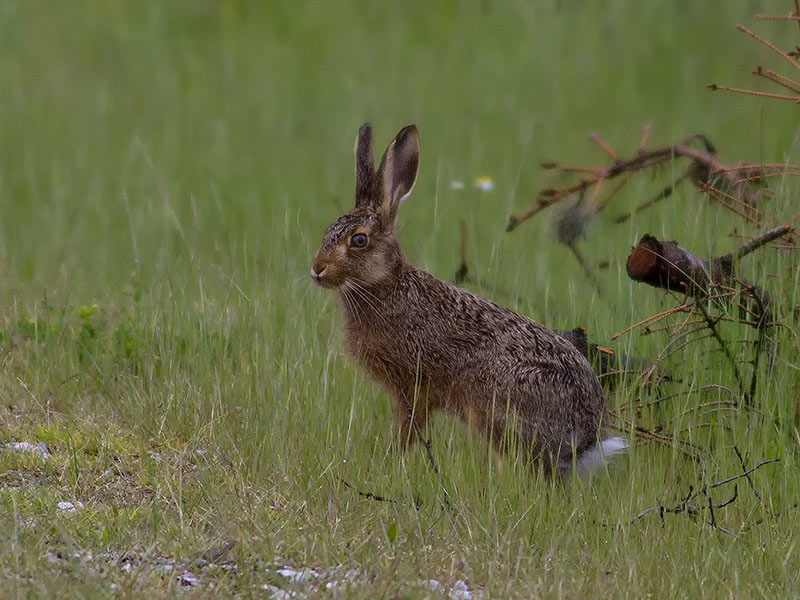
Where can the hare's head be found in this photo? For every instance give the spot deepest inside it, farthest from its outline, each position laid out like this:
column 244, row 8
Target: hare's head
column 360, row 246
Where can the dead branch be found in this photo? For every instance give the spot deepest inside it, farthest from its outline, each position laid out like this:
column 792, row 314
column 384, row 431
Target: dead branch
column 662, row 195
column 757, row 242
column 690, row 450
column 686, row 505
column 727, row 88
column 745, row 473
column 712, row 326
column 730, row 185
column 668, row 266
column 651, row 319
column 367, row 495
column 781, row 80
column 585, row 267
column 768, row 74
column 749, row 479
column 769, row 45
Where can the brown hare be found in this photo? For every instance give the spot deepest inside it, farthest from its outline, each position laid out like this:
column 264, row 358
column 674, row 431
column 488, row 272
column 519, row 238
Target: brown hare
column 436, row 346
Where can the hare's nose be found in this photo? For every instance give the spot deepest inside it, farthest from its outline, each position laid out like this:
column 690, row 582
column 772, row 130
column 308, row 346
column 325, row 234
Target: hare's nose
column 317, row 271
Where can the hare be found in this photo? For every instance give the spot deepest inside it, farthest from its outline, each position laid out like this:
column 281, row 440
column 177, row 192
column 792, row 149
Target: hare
column 433, row 345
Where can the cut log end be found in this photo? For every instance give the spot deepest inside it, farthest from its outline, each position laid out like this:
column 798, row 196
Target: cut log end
column 644, row 258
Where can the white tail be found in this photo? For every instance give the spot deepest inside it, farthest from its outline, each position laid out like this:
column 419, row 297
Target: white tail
column 600, row 454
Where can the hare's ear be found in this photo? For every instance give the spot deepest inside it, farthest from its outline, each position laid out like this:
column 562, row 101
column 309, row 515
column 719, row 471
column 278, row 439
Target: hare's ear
column 398, row 171
column 365, row 167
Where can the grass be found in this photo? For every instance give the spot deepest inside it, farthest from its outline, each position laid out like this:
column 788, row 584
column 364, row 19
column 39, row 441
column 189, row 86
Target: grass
column 166, row 172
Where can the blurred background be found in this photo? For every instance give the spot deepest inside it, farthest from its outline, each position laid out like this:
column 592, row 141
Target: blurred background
column 222, row 131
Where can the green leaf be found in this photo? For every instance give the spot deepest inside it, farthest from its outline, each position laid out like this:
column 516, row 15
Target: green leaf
column 391, row 532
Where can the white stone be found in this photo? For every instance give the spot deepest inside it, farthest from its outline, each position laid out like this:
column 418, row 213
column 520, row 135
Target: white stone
column 301, row 576
column 39, row 449
column 188, row 578
column 434, row 584
column 460, row 591
column 70, row 507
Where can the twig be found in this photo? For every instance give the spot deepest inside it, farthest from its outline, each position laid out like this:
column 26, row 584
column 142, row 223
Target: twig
column 645, row 136
column 757, row 242
column 595, row 137
column 712, row 325
column 685, row 506
column 726, row 88
column 623, row 180
column 777, row 18
column 732, row 499
column 427, row 443
column 779, row 167
column 745, row 473
column 790, row 170
column 367, row 495
column 720, row 197
column 654, row 436
column 770, row 46
column 712, row 520
column 744, row 469
column 782, row 81
column 776, row 515
column 587, row 270
column 651, row 319
column 662, row 195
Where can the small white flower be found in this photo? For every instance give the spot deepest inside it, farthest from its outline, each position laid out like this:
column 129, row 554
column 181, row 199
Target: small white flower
column 485, row 184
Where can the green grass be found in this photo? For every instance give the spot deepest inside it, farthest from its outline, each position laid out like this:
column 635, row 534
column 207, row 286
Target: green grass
column 166, row 172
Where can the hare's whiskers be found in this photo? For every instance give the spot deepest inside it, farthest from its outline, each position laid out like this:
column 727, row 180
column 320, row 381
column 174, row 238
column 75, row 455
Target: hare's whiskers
column 350, row 302
column 358, row 294
column 367, row 297
column 363, row 285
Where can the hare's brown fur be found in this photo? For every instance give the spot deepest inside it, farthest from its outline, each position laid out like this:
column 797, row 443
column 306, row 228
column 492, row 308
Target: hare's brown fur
column 436, row 346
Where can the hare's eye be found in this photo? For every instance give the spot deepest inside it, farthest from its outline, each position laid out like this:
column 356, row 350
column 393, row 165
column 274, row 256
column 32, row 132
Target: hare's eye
column 359, row 240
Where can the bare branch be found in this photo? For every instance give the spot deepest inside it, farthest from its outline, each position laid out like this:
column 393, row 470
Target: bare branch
column 769, row 45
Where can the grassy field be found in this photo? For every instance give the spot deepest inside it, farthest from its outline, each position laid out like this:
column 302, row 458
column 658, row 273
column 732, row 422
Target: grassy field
column 166, row 173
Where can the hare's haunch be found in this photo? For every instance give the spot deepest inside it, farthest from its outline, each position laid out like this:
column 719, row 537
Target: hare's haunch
column 436, row 346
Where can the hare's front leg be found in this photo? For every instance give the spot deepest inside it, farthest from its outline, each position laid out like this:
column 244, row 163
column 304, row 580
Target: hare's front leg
column 410, row 416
